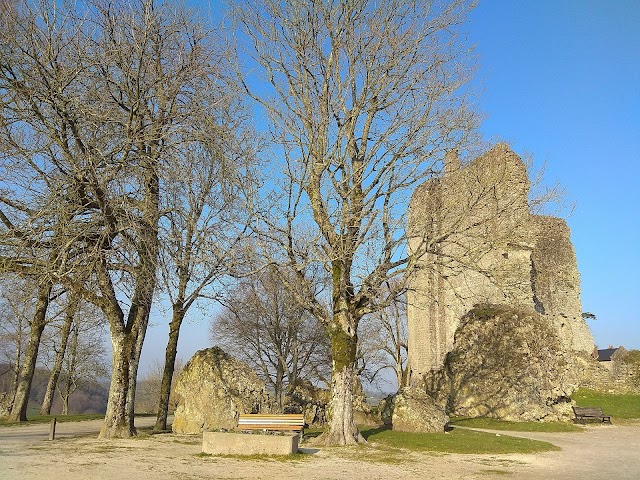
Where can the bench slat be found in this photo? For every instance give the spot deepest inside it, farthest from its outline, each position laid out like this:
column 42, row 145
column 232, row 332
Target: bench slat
column 258, row 421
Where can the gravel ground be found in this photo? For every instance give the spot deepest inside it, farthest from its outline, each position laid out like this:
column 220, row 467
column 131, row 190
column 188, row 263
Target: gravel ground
column 611, row 452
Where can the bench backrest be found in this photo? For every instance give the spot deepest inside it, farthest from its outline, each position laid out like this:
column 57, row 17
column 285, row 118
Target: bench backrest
column 588, row 411
column 258, row 421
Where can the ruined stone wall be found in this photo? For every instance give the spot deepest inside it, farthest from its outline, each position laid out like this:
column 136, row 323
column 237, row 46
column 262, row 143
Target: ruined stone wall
column 479, row 243
column 617, row 377
column 556, row 282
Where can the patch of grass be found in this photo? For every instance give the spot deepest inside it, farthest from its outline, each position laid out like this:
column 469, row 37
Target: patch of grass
column 493, row 424
column 457, row 441
column 618, row 406
column 32, row 419
column 187, row 442
column 370, row 453
column 296, row 457
column 110, row 447
column 313, row 432
column 494, row 471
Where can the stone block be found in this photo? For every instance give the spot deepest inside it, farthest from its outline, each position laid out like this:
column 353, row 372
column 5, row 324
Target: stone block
column 231, row 443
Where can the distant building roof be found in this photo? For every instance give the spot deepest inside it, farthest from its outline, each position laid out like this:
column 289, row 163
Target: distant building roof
column 605, row 354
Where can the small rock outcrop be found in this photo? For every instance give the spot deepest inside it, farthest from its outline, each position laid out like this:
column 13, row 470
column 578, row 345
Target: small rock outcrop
column 312, row 401
column 506, row 363
column 385, row 407
column 306, row 398
column 415, row 411
column 214, row 388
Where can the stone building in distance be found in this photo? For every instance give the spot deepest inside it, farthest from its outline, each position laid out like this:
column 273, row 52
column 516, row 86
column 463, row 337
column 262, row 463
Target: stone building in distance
column 479, row 243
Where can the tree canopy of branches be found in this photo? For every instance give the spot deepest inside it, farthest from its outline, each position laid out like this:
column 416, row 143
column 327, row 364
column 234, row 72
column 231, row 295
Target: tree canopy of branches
column 264, row 324
column 204, row 221
column 98, row 100
column 364, row 100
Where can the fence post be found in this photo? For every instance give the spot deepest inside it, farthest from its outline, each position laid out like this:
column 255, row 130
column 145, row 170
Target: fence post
column 52, row 429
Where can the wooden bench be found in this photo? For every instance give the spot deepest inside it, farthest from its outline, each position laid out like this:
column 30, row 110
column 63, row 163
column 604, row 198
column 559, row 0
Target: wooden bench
column 293, row 422
column 585, row 414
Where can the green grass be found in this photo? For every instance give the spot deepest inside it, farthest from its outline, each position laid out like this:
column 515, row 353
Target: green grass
column 456, row 441
column 494, row 424
column 32, row 419
column 296, row 457
column 618, row 406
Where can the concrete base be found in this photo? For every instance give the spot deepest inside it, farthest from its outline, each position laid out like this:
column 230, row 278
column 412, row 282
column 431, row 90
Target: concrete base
column 229, row 443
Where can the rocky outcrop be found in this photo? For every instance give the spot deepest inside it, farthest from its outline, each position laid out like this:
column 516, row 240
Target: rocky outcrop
column 312, row 401
column 213, row 389
column 412, row 410
column 385, row 407
column 306, row 398
column 506, row 363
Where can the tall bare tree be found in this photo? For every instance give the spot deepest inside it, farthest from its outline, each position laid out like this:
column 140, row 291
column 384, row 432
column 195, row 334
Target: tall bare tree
column 204, row 221
column 365, row 98
column 97, row 101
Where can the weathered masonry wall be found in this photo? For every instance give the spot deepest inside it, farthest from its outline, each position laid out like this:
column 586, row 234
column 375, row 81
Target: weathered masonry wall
column 478, row 242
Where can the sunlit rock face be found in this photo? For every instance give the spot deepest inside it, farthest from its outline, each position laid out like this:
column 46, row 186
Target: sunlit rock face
column 415, row 411
column 479, row 243
column 214, row 389
column 506, row 363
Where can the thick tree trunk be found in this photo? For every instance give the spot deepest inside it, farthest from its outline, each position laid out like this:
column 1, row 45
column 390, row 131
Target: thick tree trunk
column 134, row 363
column 45, row 409
column 116, row 421
column 341, row 425
column 21, row 398
column 169, row 368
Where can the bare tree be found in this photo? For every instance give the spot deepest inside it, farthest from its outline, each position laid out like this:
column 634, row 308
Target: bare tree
column 204, row 223
column 97, row 102
column 264, row 325
column 364, row 98
column 383, row 341
column 88, row 318
column 84, row 360
column 17, row 305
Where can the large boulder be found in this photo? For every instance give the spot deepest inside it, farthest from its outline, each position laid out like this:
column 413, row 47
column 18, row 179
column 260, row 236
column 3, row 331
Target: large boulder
column 214, row 389
column 415, row 411
column 507, row 363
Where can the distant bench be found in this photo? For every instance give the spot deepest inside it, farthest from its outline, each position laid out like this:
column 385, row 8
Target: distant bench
column 285, row 422
column 585, row 414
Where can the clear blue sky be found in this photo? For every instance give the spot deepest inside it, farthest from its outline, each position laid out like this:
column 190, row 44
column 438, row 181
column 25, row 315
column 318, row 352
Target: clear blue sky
column 561, row 80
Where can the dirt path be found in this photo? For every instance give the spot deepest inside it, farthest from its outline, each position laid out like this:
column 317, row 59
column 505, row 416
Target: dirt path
column 25, row 453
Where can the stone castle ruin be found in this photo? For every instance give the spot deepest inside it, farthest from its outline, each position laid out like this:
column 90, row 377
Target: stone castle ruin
column 479, row 243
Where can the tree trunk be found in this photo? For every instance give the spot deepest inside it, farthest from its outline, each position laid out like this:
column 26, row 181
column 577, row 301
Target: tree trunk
column 341, row 425
column 57, row 366
column 21, row 399
column 134, row 362
column 169, row 368
column 279, row 386
column 65, row 405
column 116, row 422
